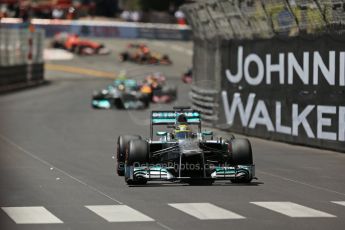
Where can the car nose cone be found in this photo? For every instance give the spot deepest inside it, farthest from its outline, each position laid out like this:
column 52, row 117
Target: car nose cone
column 189, row 147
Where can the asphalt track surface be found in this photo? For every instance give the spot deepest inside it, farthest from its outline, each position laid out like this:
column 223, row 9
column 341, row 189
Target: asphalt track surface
column 57, row 155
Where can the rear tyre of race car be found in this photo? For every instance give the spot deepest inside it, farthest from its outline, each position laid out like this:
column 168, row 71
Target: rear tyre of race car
column 145, row 99
column 122, row 142
column 137, row 153
column 124, row 56
column 56, row 45
column 166, row 60
column 241, row 155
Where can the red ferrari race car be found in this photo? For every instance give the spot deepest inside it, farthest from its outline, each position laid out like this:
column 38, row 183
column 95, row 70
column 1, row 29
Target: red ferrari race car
column 141, row 54
column 73, row 43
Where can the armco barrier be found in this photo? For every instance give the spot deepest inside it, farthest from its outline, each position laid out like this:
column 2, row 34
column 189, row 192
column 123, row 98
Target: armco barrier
column 18, row 76
column 205, row 101
column 107, row 29
column 12, row 74
column 21, row 58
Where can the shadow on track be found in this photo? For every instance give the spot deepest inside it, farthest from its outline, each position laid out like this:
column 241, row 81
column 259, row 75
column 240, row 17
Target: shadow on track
column 182, row 184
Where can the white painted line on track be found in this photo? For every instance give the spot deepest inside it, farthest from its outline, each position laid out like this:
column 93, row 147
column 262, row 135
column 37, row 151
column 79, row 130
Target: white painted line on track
column 339, row 202
column 31, row 215
column 205, row 211
column 292, row 209
column 57, row 54
column 118, row 213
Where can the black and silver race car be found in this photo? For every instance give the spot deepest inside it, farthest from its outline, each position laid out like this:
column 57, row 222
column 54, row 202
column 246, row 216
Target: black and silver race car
column 183, row 153
column 122, row 94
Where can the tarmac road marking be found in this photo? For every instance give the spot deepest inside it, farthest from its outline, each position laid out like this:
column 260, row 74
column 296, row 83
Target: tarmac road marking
column 339, row 202
column 118, row 213
column 57, row 54
column 78, row 70
column 31, row 215
column 206, row 211
column 292, row 209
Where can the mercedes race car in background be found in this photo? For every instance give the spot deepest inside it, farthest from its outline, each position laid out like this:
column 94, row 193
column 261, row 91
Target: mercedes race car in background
column 184, row 154
column 141, row 54
column 73, row 43
column 123, row 94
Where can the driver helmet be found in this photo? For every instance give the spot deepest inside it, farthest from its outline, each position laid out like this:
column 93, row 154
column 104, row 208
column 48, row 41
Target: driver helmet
column 182, row 130
column 121, row 87
column 182, row 119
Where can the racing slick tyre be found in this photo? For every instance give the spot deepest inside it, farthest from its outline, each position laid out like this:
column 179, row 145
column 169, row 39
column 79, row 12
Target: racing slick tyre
column 166, row 60
column 57, row 45
column 124, row 56
column 145, row 99
column 241, row 155
column 136, row 153
column 122, row 142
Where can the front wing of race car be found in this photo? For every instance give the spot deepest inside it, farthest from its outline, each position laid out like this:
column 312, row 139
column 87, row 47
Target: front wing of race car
column 161, row 173
column 101, row 104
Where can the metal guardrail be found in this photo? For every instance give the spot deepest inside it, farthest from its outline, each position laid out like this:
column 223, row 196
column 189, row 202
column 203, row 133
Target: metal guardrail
column 205, row 101
column 21, row 58
column 19, row 46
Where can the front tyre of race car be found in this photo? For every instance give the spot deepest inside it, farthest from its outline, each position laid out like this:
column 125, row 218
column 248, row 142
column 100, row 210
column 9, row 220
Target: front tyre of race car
column 241, row 155
column 165, row 60
column 122, row 143
column 136, row 154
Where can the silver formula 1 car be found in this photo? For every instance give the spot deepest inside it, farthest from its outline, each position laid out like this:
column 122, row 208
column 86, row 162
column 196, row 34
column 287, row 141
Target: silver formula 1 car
column 182, row 152
column 122, row 94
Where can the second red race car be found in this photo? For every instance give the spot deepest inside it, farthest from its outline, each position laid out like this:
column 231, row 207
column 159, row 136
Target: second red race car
column 141, row 54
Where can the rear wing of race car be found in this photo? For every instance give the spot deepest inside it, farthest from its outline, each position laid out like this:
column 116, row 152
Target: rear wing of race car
column 169, row 117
